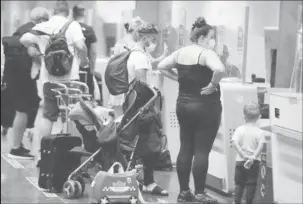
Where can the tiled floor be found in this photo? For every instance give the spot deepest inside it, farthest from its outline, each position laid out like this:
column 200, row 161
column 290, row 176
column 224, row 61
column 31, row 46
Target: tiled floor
column 19, row 184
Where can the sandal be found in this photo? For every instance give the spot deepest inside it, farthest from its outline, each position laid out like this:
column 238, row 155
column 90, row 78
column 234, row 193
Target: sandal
column 156, row 191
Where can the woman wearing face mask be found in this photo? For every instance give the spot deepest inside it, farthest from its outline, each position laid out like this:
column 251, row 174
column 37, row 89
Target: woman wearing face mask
column 139, row 64
column 198, row 106
column 127, row 41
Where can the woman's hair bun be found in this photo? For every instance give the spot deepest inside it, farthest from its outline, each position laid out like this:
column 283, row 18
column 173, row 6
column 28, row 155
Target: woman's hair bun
column 126, row 26
column 200, row 22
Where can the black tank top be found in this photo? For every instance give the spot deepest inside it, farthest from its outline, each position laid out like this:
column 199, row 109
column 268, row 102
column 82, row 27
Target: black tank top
column 192, row 78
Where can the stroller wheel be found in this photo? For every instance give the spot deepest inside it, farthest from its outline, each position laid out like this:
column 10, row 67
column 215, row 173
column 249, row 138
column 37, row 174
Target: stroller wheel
column 82, row 183
column 69, row 189
column 79, row 189
column 133, row 200
column 104, row 200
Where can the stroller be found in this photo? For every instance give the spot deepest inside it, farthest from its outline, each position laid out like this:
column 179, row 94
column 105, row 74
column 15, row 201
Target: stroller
column 101, row 149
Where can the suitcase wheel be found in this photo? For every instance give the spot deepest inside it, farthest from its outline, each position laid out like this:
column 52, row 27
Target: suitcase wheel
column 69, row 189
column 133, row 200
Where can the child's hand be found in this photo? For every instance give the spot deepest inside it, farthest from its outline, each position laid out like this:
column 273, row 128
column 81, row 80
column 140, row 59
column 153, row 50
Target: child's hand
column 246, row 157
column 248, row 163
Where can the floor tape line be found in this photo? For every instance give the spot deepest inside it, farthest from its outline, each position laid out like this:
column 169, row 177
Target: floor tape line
column 14, row 163
column 34, row 182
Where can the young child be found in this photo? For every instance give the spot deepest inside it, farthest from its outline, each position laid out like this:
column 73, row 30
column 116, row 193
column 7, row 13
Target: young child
column 248, row 140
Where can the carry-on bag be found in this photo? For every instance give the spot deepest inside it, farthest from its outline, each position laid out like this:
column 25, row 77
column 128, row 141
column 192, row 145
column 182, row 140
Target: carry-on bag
column 164, row 163
column 57, row 162
column 111, row 187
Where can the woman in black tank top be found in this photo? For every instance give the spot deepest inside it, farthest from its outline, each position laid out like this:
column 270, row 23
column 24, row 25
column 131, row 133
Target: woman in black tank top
column 198, row 106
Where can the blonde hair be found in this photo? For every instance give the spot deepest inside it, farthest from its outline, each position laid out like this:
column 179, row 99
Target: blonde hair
column 135, row 24
column 38, row 14
column 251, row 112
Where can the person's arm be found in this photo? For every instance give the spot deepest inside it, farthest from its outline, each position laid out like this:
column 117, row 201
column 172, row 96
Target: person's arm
column 236, row 141
column 29, row 39
column 141, row 65
column 75, row 33
column 166, row 66
column 213, row 62
column 164, row 54
column 261, row 142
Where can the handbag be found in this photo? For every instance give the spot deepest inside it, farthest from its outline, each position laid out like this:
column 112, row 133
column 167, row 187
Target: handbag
column 115, row 186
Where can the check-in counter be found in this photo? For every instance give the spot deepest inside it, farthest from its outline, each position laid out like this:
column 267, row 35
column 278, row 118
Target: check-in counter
column 286, row 123
column 287, row 165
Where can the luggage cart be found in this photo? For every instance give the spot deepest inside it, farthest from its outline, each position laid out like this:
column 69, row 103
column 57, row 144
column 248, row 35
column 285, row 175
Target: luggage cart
column 68, row 93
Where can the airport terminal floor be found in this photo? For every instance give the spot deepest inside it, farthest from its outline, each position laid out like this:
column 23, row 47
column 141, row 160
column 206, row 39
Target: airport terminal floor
column 19, row 183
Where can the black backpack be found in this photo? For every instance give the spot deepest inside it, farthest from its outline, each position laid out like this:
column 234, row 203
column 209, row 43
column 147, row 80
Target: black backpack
column 17, row 60
column 116, row 73
column 58, row 59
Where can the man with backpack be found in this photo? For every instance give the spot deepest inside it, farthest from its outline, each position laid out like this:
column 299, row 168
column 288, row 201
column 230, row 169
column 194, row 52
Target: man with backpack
column 62, row 45
column 20, row 96
column 90, row 42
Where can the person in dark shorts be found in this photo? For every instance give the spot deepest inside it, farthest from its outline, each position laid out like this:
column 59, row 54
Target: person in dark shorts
column 248, row 140
column 90, row 42
column 198, row 107
column 22, row 88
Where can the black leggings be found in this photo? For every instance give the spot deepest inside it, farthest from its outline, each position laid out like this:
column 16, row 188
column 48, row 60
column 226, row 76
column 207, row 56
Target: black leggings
column 199, row 122
column 149, row 164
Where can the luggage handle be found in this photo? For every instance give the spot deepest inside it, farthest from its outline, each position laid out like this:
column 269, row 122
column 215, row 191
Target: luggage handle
column 120, row 171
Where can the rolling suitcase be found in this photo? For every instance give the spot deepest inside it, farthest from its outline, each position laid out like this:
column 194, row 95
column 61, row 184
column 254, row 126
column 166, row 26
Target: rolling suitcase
column 56, row 161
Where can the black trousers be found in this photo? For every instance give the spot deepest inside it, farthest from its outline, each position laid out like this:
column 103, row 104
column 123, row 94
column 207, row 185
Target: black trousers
column 199, row 122
column 246, row 179
column 149, row 164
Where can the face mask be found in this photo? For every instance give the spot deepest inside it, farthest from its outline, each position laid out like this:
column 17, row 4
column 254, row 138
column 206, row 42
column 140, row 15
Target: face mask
column 211, row 44
column 150, row 48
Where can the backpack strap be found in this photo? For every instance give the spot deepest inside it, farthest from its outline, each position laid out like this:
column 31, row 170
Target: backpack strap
column 36, row 32
column 65, row 27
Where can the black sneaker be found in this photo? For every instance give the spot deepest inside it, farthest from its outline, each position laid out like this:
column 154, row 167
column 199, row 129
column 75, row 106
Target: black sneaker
column 20, row 154
column 24, row 149
column 185, row 196
column 205, row 199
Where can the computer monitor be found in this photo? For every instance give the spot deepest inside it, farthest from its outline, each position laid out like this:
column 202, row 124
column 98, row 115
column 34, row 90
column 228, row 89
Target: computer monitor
column 271, row 37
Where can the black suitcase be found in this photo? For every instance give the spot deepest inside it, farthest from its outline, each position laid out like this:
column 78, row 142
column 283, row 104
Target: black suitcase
column 56, row 161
